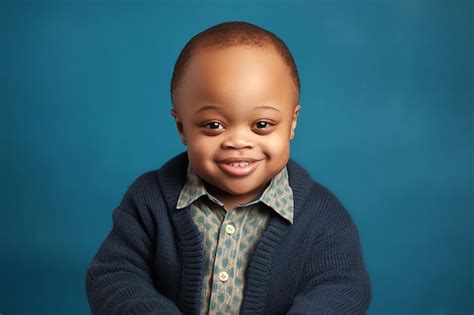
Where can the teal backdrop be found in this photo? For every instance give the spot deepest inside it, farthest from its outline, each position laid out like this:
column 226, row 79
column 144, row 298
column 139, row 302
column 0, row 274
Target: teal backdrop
column 386, row 124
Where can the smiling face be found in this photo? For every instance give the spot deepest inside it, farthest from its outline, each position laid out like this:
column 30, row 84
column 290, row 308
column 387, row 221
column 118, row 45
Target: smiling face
column 236, row 109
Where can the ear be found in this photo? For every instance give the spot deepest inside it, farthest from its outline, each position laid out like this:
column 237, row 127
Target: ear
column 294, row 120
column 179, row 125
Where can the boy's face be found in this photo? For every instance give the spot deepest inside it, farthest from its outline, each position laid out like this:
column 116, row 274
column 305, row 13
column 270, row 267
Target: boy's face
column 236, row 111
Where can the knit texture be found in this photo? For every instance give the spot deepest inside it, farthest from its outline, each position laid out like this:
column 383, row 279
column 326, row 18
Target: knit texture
column 152, row 261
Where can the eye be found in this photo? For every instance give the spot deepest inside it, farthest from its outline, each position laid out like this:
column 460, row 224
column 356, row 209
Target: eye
column 214, row 125
column 262, row 124
column 263, row 127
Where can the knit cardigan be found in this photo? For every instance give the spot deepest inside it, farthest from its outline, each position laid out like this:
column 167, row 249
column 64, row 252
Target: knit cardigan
column 152, row 261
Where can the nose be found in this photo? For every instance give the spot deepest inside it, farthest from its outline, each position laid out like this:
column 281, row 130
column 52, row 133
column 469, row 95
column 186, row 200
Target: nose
column 238, row 140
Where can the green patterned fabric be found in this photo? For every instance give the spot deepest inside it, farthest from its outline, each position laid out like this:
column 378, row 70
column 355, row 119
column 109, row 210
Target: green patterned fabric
column 230, row 235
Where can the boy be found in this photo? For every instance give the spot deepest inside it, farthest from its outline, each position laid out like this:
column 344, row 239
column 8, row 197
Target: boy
column 232, row 225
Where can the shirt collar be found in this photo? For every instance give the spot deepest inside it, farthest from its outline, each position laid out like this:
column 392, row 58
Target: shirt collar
column 278, row 195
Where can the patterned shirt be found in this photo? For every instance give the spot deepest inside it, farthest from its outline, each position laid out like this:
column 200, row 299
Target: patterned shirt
column 230, row 236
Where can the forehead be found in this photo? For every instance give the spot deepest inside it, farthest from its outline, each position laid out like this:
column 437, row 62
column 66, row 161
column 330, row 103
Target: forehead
column 238, row 74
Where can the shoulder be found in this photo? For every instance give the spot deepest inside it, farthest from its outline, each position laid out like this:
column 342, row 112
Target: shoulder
column 163, row 182
column 316, row 203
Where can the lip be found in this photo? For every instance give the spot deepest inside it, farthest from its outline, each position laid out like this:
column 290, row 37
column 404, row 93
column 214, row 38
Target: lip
column 236, row 171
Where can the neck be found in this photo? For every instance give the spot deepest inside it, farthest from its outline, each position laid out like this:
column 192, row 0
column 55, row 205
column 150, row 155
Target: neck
column 231, row 201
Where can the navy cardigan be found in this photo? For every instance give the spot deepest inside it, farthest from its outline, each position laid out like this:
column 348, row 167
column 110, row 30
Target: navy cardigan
column 152, row 260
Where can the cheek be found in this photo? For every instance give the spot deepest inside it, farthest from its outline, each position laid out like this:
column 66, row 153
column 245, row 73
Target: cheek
column 206, row 143
column 202, row 146
column 277, row 147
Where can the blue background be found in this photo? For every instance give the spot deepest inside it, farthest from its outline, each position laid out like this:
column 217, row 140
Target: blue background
column 386, row 124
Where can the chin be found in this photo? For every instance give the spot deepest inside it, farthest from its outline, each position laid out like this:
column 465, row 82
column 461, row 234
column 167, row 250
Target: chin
column 238, row 191
column 242, row 188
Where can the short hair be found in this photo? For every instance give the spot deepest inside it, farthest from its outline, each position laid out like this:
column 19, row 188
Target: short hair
column 230, row 34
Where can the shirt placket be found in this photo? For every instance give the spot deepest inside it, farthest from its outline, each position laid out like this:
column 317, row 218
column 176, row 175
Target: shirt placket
column 223, row 278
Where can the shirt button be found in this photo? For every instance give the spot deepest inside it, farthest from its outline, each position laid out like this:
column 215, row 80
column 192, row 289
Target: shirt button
column 223, row 276
column 230, row 229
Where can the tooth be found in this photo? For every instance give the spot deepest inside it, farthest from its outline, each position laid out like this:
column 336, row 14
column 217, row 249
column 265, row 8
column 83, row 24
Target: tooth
column 239, row 164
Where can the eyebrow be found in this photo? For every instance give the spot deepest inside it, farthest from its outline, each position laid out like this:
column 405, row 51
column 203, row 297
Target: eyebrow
column 209, row 107
column 267, row 107
column 220, row 109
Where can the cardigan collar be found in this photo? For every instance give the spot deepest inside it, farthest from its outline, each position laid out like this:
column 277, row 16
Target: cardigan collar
column 172, row 178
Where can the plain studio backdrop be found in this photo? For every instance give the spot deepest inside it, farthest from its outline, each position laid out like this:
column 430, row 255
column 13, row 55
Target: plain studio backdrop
column 386, row 124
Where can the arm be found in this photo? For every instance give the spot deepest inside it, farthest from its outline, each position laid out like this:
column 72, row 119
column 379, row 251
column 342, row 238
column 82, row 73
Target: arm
column 119, row 278
column 336, row 281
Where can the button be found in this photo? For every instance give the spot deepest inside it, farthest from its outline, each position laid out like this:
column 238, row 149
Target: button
column 230, row 229
column 223, row 276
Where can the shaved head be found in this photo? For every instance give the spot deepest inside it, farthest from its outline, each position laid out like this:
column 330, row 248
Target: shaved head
column 231, row 34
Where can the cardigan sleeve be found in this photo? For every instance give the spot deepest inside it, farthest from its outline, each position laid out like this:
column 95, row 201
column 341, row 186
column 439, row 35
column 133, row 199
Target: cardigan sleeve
column 336, row 281
column 119, row 279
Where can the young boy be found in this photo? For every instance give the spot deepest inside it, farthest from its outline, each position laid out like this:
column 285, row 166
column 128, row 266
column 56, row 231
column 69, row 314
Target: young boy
column 232, row 225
